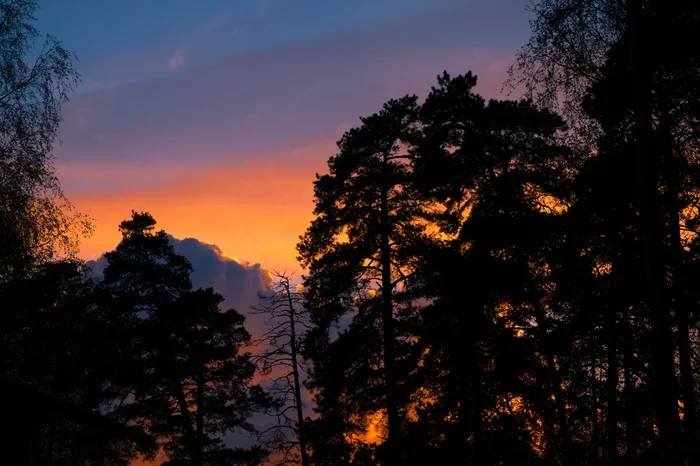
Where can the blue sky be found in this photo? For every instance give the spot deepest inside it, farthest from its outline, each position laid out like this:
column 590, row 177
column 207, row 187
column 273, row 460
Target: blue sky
column 132, row 40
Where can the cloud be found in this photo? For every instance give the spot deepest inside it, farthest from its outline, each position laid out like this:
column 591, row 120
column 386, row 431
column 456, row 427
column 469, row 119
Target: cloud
column 176, row 60
column 238, row 282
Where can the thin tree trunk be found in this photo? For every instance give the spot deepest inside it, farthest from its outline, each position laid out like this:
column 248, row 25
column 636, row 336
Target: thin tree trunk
column 186, row 425
column 295, row 372
column 690, row 421
column 394, row 421
column 469, row 373
column 560, row 408
column 631, row 435
column 554, row 379
column 199, row 416
column 470, row 402
column 663, row 379
column 595, row 435
column 680, row 284
column 56, row 389
column 611, row 387
column 50, row 441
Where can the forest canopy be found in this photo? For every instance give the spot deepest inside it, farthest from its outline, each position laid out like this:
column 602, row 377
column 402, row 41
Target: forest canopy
column 486, row 282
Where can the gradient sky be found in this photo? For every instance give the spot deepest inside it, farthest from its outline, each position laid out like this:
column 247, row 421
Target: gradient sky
column 215, row 115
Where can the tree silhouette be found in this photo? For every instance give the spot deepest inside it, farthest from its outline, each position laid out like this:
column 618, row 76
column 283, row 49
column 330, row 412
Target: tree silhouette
column 358, row 249
column 492, row 182
column 638, row 93
column 179, row 354
column 280, row 361
column 35, row 79
column 500, row 173
column 52, row 370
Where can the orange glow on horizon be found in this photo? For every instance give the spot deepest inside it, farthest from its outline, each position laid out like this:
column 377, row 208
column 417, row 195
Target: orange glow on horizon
column 253, row 212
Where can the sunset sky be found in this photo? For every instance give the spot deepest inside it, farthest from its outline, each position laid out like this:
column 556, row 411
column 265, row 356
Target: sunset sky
column 215, row 115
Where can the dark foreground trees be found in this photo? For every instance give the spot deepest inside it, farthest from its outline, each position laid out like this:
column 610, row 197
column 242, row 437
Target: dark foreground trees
column 542, row 303
column 360, row 254
column 50, row 414
column 36, row 75
column 488, row 283
column 101, row 372
column 640, row 94
column 474, row 191
column 177, row 357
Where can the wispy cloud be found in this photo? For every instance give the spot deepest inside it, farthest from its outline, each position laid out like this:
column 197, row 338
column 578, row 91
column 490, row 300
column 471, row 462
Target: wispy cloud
column 176, row 60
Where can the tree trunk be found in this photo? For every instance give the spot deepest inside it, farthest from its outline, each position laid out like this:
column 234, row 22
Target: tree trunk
column 295, row 373
column 470, row 400
column 595, row 435
column 560, row 408
column 554, row 379
column 680, row 284
column 185, row 423
column 611, row 386
column 392, row 409
column 50, row 441
column 631, row 435
column 690, row 422
column 57, row 388
column 199, row 416
column 663, row 379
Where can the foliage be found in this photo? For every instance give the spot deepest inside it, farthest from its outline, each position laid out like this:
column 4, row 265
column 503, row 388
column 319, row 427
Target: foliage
column 178, row 355
column 35, row 78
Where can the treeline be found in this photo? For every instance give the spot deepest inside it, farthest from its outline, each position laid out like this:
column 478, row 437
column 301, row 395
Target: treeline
column 491, row 283
column 138, row 348
column 488, row 282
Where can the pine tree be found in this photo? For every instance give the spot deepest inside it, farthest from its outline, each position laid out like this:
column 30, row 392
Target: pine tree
column 358, row 251
column 499, row 175
column 611, row 63
column 178, row 355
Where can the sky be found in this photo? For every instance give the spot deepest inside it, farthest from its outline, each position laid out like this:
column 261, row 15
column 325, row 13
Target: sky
column 214, row 116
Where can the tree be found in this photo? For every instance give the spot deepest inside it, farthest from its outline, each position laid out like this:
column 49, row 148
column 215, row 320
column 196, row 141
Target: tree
column 37, row 224
column 179, row 358
column 483, row 190
column 280, row 360
column 358, row 252
column 567, row 48
column 498, row 175
column 637, row 86
column 53, row 372
column 35, row 79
